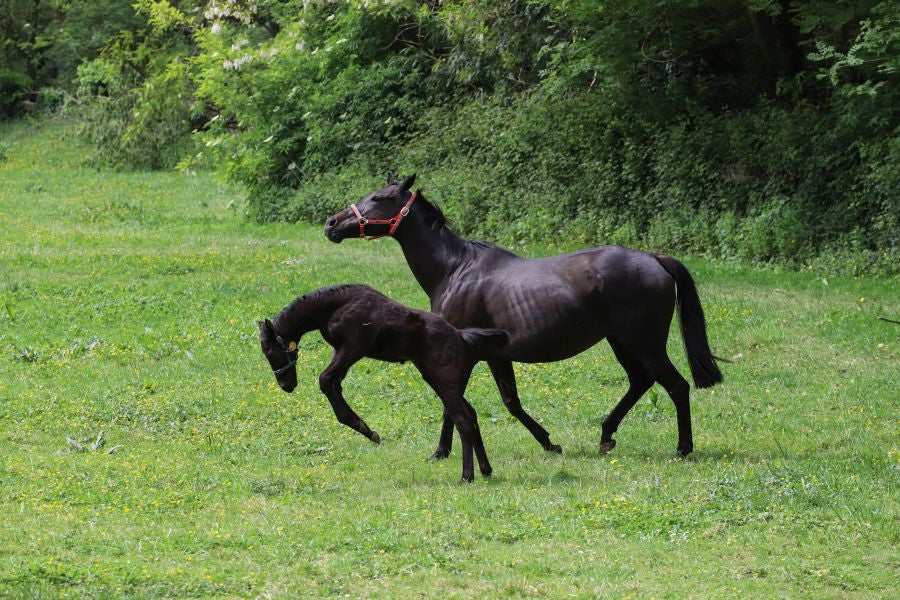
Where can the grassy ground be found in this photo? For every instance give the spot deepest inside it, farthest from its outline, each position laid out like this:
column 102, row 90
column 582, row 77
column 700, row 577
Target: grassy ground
column 128, row 305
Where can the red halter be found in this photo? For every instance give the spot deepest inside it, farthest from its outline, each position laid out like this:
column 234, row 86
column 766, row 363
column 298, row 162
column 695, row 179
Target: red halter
column 394, row 222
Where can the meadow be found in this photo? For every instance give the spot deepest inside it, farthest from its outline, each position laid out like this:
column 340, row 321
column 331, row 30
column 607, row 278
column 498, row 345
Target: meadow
column 128, row 306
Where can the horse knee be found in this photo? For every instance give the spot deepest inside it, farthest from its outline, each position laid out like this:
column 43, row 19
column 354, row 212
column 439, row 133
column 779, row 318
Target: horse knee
column 680, row 391
column 512, row 403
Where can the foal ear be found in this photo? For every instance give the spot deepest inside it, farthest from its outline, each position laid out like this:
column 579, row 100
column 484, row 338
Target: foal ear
column 407, row 183
column 269, row 326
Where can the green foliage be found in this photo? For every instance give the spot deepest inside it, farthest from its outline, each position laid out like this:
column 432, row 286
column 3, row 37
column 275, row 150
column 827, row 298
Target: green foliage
column 588, row 171
column 46, row 41
column 137, row 98
column 14, row 88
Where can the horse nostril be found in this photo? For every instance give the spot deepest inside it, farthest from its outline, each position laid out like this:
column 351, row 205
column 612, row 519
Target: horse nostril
column 331, row 222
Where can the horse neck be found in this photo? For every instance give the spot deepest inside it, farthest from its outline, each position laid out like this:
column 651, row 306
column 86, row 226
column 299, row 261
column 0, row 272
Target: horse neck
column 432, row 254
column 309, row 312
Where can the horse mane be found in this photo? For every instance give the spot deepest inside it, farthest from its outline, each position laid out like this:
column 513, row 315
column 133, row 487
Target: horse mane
column 435, row 219
column 307, row 309
column 434, row 216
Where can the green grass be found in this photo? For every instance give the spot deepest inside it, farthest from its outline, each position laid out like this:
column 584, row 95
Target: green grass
column 128, row 304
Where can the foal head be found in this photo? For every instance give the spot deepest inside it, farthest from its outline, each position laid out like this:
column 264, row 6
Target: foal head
column 378, row 214
column 281, row 354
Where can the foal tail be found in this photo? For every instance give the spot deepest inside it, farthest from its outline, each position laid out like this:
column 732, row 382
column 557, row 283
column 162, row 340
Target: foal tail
column 693, row 324
column 484, row 343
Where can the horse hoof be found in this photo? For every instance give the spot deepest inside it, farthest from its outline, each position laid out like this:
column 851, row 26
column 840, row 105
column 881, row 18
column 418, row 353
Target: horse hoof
column 682, row 452
column 553, row 448
column 487, row 472
column 607, row 446
column 375, row 437
column 466, row 480
column 439, row 454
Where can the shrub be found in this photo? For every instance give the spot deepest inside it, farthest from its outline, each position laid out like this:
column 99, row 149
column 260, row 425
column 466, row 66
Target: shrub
column 14, row 88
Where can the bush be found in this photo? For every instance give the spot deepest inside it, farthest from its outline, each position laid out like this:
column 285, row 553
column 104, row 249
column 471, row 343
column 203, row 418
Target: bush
column 586, row 170
column 14, row 88
column 137, row 98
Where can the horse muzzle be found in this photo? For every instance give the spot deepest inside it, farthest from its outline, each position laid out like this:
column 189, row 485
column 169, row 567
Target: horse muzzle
column 339, row 227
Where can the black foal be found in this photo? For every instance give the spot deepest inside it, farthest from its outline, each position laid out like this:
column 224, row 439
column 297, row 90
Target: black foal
column 360, row 322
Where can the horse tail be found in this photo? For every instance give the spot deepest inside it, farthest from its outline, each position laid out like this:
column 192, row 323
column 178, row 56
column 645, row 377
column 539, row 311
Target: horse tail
column 484, row 343
column 693, row 324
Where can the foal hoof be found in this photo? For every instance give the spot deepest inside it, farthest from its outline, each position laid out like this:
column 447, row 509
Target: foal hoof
column 374, row 437
column 607, row 446
column 439, row 454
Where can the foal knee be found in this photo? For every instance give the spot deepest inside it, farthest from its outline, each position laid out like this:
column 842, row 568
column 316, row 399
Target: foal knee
column 325, row 383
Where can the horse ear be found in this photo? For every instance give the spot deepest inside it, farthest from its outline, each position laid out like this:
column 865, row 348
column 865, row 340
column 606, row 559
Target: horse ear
column 408, row 183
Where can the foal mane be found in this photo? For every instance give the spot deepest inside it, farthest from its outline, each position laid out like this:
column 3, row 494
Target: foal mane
column 308, row 308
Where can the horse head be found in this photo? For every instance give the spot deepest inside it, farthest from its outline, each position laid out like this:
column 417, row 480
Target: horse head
column 377, row 215
column 281, row 354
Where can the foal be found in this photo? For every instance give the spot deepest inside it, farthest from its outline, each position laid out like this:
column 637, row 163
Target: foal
column 359, row 322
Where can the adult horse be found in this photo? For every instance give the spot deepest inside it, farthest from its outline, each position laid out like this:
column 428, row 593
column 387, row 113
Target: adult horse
column 552, row 308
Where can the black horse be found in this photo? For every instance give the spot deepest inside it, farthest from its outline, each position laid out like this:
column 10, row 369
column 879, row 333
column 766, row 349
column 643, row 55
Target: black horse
column 552, row 308
column 360, row 322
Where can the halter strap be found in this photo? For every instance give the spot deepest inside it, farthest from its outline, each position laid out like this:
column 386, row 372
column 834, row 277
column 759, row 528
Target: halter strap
column 394, row 221
column 292, row 360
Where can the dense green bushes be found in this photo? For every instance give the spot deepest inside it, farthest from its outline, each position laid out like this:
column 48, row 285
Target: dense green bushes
column 584, row 171
column 763, row 130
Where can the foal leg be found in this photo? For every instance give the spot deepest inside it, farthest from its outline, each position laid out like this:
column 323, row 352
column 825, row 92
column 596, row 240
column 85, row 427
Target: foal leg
column 330, row 384
column 639, row 381
column 446, row 379
column 505, row 378
column 466, row 422
column 446, row 440
column 483, row 464
column 662, row 369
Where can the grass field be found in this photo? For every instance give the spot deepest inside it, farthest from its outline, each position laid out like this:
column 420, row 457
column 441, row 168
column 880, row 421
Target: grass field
column 128, row 305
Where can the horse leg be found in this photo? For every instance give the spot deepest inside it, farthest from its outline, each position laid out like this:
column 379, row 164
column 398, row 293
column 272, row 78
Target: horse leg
column 505, row 378
column 446, row 440
column 466, row 422
column 639, row 381
column 663, row 371
column 446, row 379
column 330, row 384
column 483, row 464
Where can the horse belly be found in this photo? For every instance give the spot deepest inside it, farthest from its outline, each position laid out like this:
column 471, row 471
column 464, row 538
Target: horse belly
column 546, row 317
column 554, row 345
column 555, row 331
